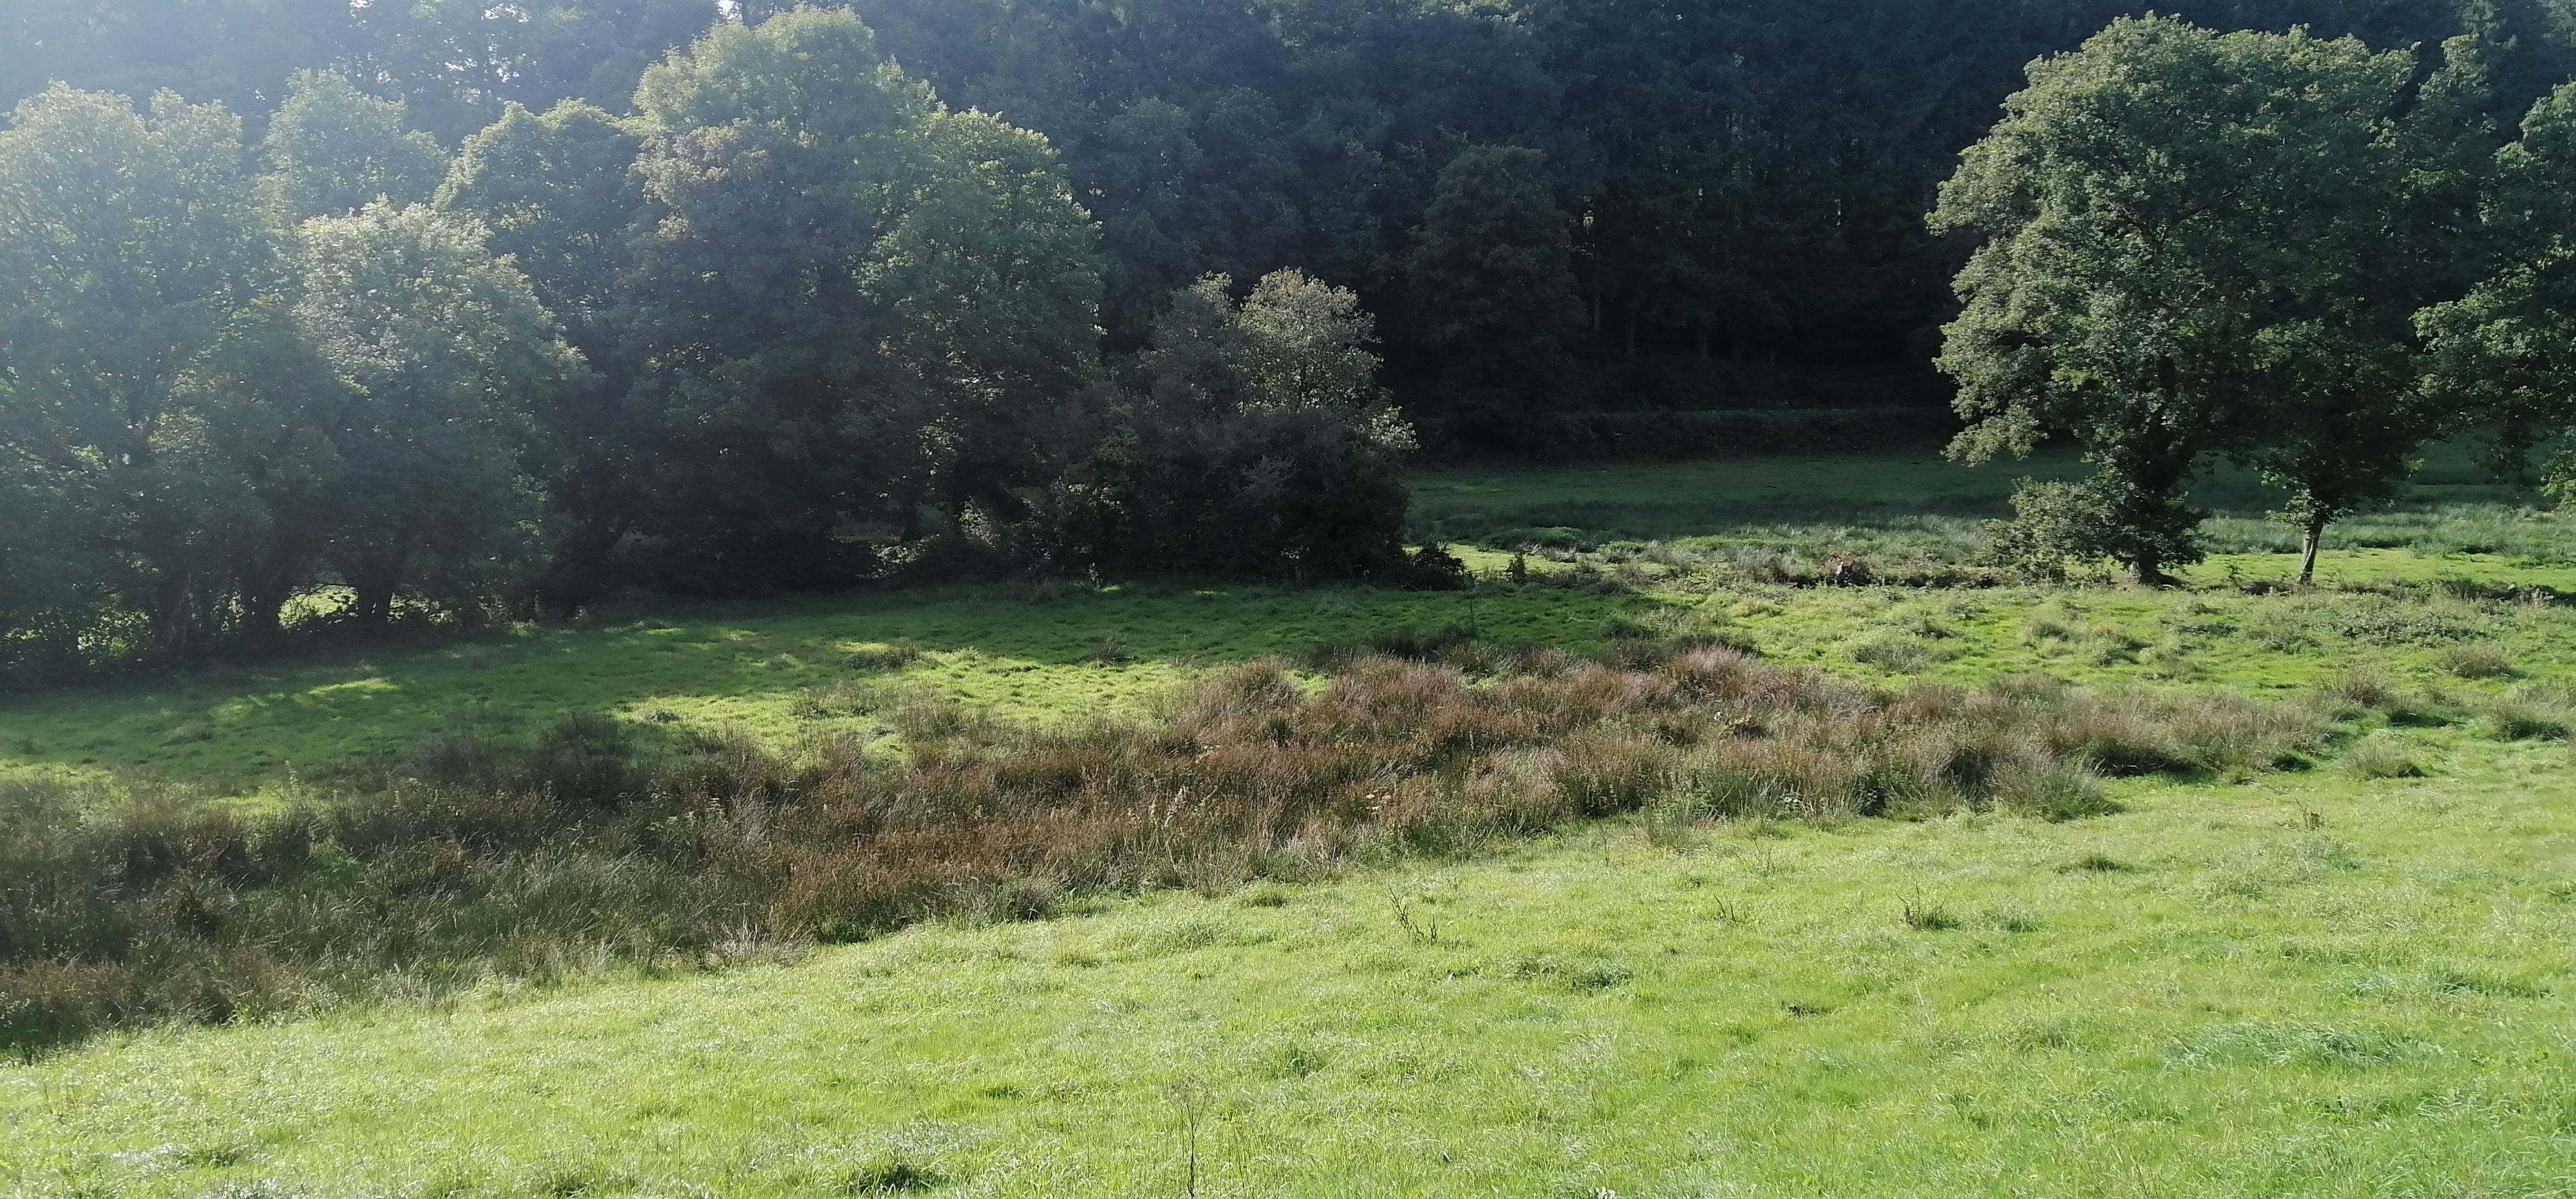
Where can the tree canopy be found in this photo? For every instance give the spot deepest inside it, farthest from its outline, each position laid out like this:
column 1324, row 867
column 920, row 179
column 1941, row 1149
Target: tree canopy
column 2200, row 243
column 451, row 311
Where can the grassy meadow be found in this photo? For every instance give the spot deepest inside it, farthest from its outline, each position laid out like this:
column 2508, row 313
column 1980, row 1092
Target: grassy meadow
column 2319, row 986
column 2341, row 970
column 1660, row 537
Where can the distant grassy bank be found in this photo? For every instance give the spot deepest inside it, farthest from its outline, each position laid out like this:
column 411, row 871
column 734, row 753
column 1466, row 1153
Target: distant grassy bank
column 1899, row 504
column 770, row 672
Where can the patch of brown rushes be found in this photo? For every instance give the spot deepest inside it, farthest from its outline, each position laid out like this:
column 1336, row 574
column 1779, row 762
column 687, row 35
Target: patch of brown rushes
column 582, row 850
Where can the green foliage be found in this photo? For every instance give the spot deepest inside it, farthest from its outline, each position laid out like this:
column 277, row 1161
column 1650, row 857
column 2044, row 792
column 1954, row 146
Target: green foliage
column 992, row 273
column 1491, row 277
column 332, row 149
column 555, row 191
column 1738, row 180
column 557, row 194
column 208, row 407
column 130, row 255
column 801, row 188
column 2502, row 349
column 2053, row 522
column 2199, row 242
column 1256, row 441
column 435, row 351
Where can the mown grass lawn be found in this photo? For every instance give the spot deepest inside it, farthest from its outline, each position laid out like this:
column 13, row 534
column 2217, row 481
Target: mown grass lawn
column 2312, row 985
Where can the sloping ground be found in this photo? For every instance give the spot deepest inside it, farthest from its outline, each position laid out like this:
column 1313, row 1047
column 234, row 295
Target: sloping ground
column 782, row 670
column 785, row 671
column 2311, row 985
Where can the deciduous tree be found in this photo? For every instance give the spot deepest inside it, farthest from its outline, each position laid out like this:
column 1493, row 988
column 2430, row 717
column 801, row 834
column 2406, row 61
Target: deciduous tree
column 560, row 197
column 436, row 350
column 1491, row 276
column 2507, row 349
column 131, row 247
column 2197, row 243
column 333, row 149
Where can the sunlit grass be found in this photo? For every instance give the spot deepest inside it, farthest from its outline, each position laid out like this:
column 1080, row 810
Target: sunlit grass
column 2352, row 980
column 245, row 733
column 2314, row 986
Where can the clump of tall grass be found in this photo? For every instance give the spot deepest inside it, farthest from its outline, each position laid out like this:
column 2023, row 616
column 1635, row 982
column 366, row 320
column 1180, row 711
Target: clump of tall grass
column 585, row 847
column 2380, row 756
column 2476, row 661
column 2529, row 713
column 2361, row 692
column 890, row 656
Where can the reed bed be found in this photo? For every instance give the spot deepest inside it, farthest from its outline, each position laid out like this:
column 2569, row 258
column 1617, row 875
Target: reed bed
column 473, row 861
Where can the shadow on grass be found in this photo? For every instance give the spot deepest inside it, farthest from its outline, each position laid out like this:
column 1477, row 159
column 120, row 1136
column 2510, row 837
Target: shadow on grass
column 1025, row 649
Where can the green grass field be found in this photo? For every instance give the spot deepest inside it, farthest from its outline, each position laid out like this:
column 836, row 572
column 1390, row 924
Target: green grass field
column 1045, row 651
column 2357, row 979
column 246, row 733
column 2312, row 986
column 1902, row 504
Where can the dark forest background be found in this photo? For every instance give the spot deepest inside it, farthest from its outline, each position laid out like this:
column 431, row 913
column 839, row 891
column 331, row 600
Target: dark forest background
column 469, row 309
column 1706, row 203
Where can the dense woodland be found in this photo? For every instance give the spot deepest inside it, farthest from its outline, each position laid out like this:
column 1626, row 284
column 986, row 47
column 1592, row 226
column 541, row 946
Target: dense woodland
column 466, row 310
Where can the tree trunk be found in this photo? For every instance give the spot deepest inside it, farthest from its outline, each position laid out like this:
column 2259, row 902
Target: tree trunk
column 2308, row 539
column 174, row 622
column 263, row 613
column 268, row 583
column 374, row 602
column 2149, row 571
column 375, row 579
column 580, row 572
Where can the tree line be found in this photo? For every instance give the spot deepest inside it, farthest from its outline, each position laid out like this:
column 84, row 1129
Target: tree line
column 2294, row 252
column 793, row 324
column 1545, row 202
column 472, row 309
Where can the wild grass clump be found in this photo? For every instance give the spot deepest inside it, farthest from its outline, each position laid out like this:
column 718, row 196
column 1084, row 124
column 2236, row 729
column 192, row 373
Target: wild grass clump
column 2380, row 756
column 2477, row 661
column 2528, row 713
column 585, row 846
column 891, row 656
column 2361, row 692
column 1895, row 654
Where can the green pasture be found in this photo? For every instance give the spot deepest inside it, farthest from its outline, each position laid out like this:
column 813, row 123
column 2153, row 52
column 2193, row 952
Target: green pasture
column 1026, row 653
column 2308, row 986
column 782, row 674
column 1904, row 504
column 779, row 671
column 2323, row 982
